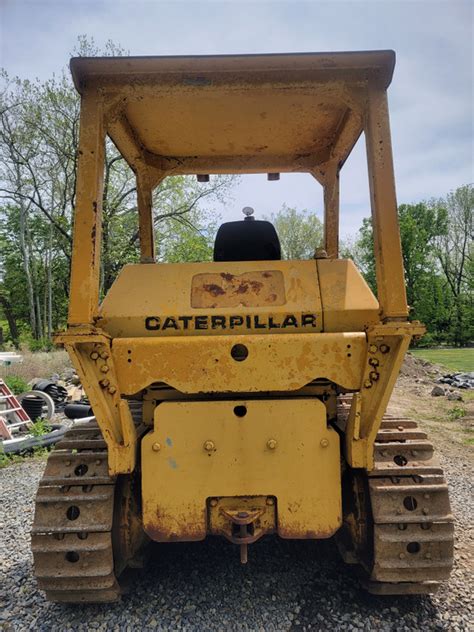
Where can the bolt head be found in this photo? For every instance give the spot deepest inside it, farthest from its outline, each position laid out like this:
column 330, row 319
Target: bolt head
column 94, row 355
column 104, row 355
column 270, row 502
column 213, row 502
column 324, row 443
column 209, row 445
column 104, row 383
column 104, row 368
column 373, row 348
column 112, row 390
column 367, row 383
column 272, row 444
column 156, row 447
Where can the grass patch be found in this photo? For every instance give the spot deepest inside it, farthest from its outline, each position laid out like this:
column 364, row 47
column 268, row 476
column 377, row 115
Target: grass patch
column 41, row 364
column 458, row 412
column 16, row 384
column 453, row 359
column 40, row 427
column 11, row 459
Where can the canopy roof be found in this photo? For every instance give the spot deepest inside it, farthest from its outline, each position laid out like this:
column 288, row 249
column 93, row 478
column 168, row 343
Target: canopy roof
column 235, row 113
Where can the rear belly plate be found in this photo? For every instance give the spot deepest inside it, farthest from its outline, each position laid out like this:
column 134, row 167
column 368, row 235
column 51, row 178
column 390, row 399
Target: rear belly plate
column 280, row 448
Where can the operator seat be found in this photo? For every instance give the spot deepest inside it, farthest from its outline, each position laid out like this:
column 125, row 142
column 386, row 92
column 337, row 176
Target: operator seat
column 247, row 240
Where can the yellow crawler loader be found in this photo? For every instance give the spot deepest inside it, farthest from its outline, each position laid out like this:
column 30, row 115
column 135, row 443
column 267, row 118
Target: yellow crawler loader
column 245, row 396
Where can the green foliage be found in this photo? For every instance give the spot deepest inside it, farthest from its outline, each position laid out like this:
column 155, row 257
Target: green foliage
column 437, row 257
column 5, row 459
column 300, row 232
column 11, row 459
column 16, row 384
column 453, row 359
column 458, row 412
column 39, row 122
column 40, row 427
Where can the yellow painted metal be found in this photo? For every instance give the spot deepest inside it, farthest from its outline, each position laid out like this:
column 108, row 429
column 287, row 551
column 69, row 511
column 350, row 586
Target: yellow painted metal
column 85, row 265
column 347, row 301
column 205, row 364
column 263, row 289
column 91, row 354
column 177, row 324
column 145, row 213
column 331, row 211
column 214, row 449
column 218, row 114
column 333, row 291
column 388, row 250
column 386, row 348
column 207, row 114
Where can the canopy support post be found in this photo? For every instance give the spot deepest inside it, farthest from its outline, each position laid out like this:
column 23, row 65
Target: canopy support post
column 387, row 245
column 85, row 265
column 331, row 211
column 145, row 217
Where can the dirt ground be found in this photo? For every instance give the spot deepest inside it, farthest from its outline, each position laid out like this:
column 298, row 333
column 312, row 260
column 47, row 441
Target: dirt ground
column 451, row 423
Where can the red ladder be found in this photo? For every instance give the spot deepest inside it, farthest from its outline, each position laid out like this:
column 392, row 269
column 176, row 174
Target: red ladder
column 12, row 414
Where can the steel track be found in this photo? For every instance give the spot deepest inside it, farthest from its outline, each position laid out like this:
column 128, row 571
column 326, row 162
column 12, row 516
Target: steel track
column 409, row 527
column 405, row 517
column 72, row 539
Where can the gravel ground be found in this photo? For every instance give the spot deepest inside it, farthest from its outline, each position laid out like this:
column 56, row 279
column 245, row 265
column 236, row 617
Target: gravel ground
column 202, row 586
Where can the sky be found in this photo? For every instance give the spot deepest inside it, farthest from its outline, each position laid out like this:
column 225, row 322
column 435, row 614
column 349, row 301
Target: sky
column 431, row 96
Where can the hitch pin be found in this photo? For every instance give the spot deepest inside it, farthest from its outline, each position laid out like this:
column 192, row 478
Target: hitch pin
column 243, row 546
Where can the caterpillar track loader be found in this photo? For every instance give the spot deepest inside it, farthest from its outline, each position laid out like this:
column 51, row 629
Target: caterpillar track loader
column 245, row 396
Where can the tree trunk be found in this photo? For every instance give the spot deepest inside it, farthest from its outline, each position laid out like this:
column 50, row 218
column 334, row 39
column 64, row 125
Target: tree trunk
column 12, row 326
column 27, row 267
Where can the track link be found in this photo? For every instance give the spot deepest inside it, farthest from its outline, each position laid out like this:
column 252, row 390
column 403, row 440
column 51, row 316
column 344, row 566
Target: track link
column 409, row 531
column 72, row 539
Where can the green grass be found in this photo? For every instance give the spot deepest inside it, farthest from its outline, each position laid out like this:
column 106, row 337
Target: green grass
column 453, row 359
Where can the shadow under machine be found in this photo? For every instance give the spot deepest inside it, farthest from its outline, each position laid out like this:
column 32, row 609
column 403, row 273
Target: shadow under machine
column 245, row 396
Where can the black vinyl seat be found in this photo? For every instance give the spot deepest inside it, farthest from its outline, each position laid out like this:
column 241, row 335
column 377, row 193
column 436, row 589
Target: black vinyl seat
column 247, row 240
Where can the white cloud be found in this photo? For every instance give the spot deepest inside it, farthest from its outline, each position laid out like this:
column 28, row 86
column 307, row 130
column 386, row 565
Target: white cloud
column 431, row 95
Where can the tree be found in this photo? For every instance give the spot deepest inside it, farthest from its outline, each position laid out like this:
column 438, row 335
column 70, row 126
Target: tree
column 39, row 124
column 437, row 256
column 454, row 250
column 300, row 232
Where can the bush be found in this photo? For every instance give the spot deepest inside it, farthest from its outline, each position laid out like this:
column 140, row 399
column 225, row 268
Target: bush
column 40, row 345
column 458, row 412
column 40, row 428
column 16, row 384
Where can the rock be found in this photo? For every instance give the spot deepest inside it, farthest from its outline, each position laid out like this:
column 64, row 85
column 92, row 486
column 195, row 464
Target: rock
column 437, row 391
column 454, row 397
